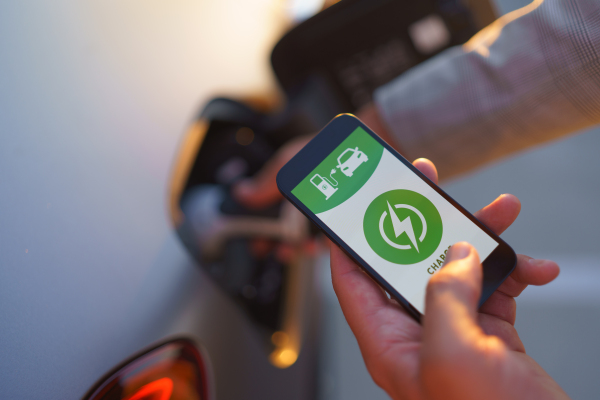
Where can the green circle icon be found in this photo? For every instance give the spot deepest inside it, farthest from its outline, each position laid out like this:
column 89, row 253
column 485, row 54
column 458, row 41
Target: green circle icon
column 403, row 226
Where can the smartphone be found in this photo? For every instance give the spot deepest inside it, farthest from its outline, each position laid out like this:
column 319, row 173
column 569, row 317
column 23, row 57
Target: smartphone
column 384, row 213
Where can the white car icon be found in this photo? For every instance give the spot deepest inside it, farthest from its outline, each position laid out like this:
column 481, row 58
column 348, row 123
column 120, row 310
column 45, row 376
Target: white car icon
column 350, row 164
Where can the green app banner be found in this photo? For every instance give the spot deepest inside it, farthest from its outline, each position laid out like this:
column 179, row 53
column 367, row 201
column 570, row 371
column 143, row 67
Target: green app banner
column 341, row 174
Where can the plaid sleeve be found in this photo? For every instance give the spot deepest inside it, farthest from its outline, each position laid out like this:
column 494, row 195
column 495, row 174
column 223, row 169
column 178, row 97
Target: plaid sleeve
column 530, row 77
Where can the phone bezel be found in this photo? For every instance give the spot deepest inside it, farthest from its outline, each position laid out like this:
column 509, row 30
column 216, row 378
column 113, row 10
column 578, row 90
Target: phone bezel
column 497, row 266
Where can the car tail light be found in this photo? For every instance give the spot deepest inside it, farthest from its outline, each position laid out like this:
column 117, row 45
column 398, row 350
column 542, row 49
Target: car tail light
column 174, row 370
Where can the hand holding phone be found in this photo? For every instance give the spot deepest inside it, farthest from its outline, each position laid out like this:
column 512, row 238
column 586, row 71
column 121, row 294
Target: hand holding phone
column 409, row 361
column 457, row 353
column 406, row 359
column 390, row 218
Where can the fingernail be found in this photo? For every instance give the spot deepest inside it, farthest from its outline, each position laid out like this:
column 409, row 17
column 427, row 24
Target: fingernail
column 459, row 251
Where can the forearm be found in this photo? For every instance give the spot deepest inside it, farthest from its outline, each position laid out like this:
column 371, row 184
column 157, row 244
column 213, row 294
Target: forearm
column 531, row 77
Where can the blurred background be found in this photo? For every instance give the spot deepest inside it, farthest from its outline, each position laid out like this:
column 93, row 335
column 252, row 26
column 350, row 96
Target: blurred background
column 94, row 100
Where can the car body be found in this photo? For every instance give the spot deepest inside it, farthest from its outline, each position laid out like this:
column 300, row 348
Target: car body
column 351, row 162
column 92, row 270
column 96, row 102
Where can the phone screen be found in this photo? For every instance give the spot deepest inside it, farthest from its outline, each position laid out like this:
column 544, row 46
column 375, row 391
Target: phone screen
column 387, row 214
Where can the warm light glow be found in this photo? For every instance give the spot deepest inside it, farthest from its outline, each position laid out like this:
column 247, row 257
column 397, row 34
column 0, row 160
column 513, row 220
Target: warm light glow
column 486, row 37
column 284, row 358
column 280, row 339
column 288, row 340
column 160, row 389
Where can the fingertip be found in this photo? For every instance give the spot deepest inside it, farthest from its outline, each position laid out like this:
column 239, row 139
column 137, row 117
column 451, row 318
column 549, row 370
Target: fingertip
column 531, row 271
column 545, row 270
column 462, row 251
column 339, row 260
column 500, row 213
column 511, row 199
column 452, row 296
column 466, row 268
column 427, row 168
column 422, row 160
column 462, row 272
column 459, row 251
column 538, row 262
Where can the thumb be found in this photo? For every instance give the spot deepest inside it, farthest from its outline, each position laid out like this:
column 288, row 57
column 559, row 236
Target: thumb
column 451, row 301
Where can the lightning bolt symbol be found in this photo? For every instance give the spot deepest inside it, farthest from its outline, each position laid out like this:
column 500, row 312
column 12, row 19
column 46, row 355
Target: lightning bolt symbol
column 404, row 226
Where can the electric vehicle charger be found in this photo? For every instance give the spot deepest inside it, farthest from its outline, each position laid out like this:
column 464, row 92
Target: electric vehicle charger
column 227, row 142
column 327, row 65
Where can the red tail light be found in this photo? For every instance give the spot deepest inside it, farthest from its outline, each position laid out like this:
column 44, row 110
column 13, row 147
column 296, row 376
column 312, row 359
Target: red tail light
column 171, row 371
column 160, row 389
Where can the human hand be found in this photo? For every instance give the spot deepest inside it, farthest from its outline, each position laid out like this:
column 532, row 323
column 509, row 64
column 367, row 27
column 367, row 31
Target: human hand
column 458, row 352
column 261, row 190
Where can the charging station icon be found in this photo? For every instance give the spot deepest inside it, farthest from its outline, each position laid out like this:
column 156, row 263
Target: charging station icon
column 347, row 162
column 324, row 185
